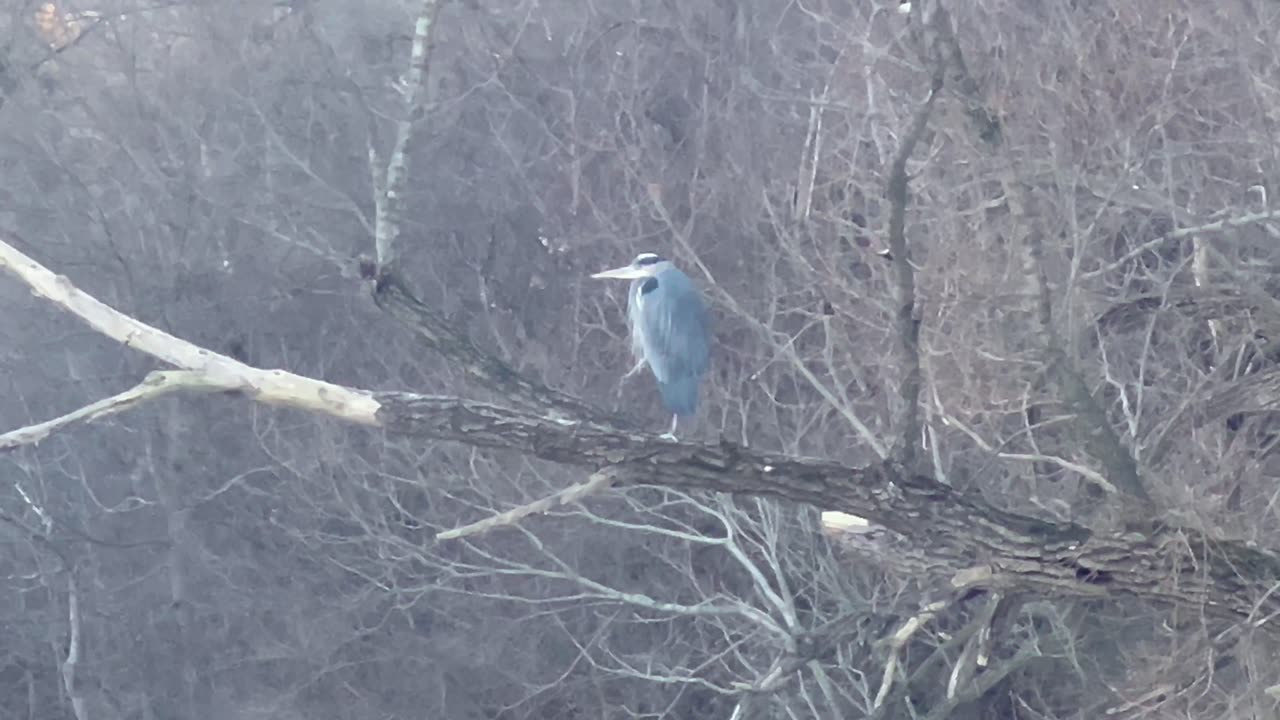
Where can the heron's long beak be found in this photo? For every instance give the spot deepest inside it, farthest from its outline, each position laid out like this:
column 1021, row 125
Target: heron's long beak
column 622, row 273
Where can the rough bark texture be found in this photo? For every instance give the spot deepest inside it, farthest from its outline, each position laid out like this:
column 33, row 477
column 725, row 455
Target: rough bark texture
column 946, row 531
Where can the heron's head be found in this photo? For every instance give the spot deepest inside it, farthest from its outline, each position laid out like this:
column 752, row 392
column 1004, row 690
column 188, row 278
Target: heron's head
column 645, row 265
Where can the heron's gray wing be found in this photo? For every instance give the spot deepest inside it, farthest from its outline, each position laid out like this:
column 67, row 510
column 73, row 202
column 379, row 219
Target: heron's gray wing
column 633, row 317
column 675, row 330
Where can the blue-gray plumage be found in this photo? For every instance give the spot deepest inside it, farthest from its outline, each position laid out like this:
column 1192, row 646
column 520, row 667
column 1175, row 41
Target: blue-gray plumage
column 670, row 330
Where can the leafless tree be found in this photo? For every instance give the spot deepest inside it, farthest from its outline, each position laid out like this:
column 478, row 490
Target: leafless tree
column 988, row 432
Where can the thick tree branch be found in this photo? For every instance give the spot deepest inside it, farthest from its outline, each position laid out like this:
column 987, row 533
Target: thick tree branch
column 1100, row 438
column 907, row 320
column 274, row 387
column 945, row 531
column 1205, row 303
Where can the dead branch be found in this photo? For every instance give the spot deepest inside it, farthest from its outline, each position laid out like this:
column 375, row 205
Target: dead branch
column 946, row 529
column 598, row 482
column 897, row 640
column 390, row 204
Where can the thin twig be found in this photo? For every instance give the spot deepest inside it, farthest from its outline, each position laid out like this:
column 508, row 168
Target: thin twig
column 598, row 482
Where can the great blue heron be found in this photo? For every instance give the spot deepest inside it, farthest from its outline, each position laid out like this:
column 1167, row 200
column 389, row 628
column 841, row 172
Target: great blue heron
column 670, row 330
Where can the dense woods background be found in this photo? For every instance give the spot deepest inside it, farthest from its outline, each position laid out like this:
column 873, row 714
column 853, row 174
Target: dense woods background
column 1089, row 222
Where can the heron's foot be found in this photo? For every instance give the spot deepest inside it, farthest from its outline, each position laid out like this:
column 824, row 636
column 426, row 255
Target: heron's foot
column 669, row 437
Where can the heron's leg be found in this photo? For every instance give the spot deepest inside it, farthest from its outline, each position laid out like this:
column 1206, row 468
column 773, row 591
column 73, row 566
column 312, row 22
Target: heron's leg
column 672, row 434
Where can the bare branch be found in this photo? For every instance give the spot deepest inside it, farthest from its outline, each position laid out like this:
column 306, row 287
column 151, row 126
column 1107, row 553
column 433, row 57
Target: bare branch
column 984, row 683
column 1250, row 394
column 1216, row 226
column 907, row 319
column 393, row 296
column 897, row 640
column 71, row 664
column 947, row 528
column 153, row 386
column 1087, row 472
column 1101, row 439
column 390, row 206
column 216, row 372
column 598, row 482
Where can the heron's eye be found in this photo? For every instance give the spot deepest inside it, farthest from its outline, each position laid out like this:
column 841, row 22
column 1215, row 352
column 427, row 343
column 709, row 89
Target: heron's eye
column 648, row 260
column 649, row 286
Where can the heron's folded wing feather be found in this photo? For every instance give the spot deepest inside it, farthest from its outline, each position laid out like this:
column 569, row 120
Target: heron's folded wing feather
column 676, row 328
